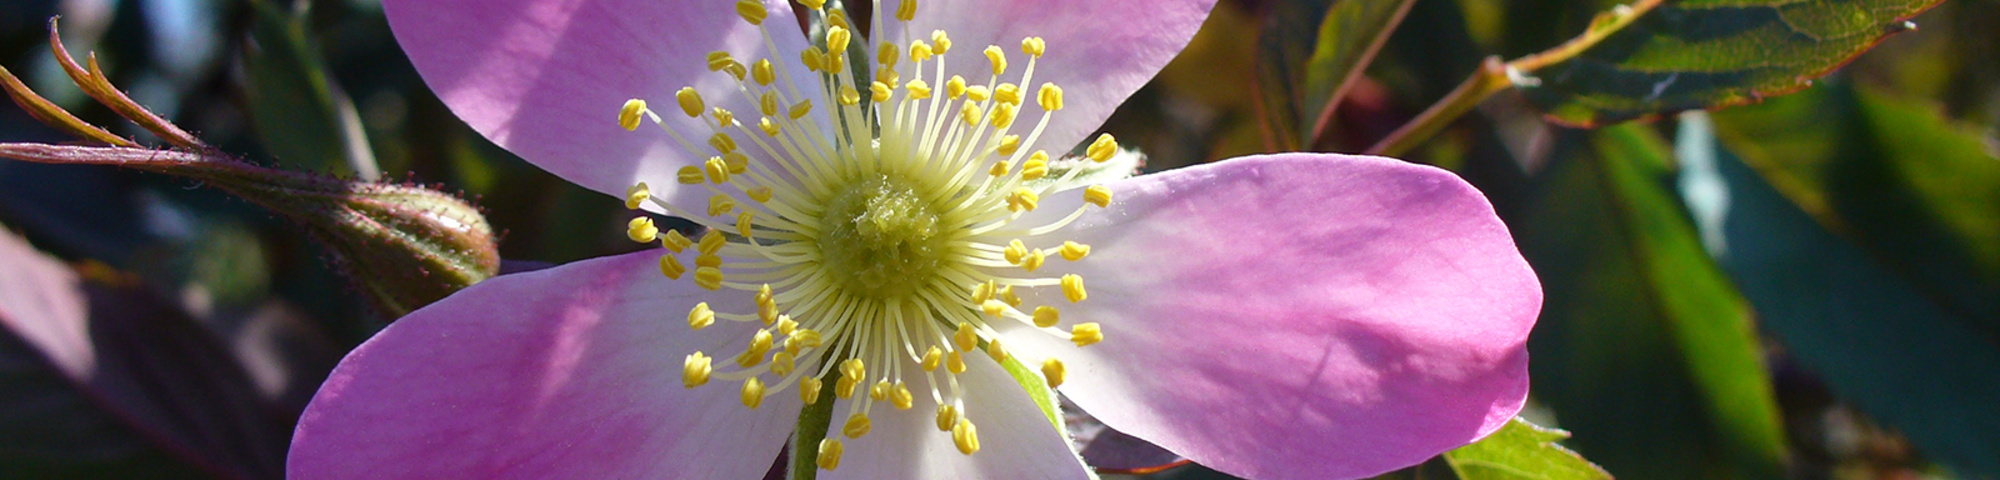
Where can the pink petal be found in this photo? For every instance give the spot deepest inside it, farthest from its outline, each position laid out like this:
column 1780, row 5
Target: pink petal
column 42, row 301
column 1099, row 51
column 1298, row 316
column 1016, row 440
column 569, row 372
column 546, row 78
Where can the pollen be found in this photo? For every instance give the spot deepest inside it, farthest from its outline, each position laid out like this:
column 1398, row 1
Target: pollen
column 873, row 231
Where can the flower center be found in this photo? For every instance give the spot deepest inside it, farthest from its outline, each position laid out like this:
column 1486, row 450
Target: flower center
column 880, row 239
column 873, row 235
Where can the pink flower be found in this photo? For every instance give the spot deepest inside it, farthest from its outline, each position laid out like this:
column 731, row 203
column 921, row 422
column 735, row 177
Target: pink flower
column 892, row 244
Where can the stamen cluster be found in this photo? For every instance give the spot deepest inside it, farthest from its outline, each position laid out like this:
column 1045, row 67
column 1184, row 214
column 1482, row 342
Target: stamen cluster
column 888, row 230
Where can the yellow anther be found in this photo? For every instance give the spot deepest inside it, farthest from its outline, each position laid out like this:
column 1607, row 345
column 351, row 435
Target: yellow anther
column 718, row 59
column 674, row 241
column 879, row 92
column 1036, row 167
column 853, row 368
column 786, row 326
column 1015, row 251
column 793, row 346
column 717, row 170
column 907, row 10
column 888, row 54
column 769, row 127
column 946, row 417
column 880, row 391
column 1000, row 168
column 1034, row 260
column 767, row 308
column 753, row 393
column 799, row 110
column 993, row 349
column 932, row 358
column 690, row 175
column 954, row 362
column 671, row 267
column 809, row 390
column 752, row 11
column 813, row 4
column 1050, row 97
column 759, row 194
column 709, row 278
column 690, row 101
column 641, row 230
column 829, row 449
column 814, row 59
column 759, row 345
column 720, row 204
column 1098, row 195
column 735, row 70
column 940, row 42
column 1009, row 144
column 966, row 337
column 920, row 51
column 955, row 87
column 1003, row 117
column 707, row 260
column 970, row 114
column 887, row 75
column 736, row 161
column 838, row 18
column 809, row 337
column 965, row 436
column 1023, row 199
column 1047, row 316
column 857, row 425
column 743, row 223
column 1073, row 251
column 723, row 117
column 1086, row 333
column 637, row 194
column 701, row 316
column 918, row 89
column 695, row 370
column 1007, row 93
column 998, row 57
column 978, row 93
column 763, row 72
column 899, row 396
column 983, row 291
column 1052, row 370
column 993, row 308
column 1034, row 46
column 1007, row 295
column 782, row 363
column 722, row 142
column 1072, row 287
column 844, row 387
column 1102, row 149
column 711, row 242
column 629, row 115
column 836, row 40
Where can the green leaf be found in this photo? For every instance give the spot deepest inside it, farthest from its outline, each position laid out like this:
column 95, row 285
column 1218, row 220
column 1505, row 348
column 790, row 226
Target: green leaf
column 814, row 419
column 1281, row 57
column 1522, row 450
column 1644, row 348
column 1862, row 231
column 303, row 118
column 1707, row 53
column 1350, row 35
column 1038, row 390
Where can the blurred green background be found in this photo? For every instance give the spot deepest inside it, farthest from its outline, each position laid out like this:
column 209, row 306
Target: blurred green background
column 1804, row 287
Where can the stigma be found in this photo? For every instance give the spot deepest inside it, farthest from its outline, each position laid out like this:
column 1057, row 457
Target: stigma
column 878, row 221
